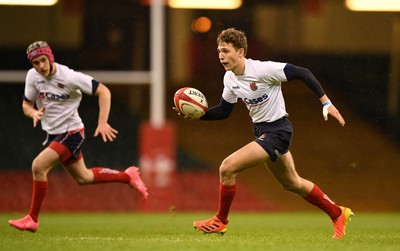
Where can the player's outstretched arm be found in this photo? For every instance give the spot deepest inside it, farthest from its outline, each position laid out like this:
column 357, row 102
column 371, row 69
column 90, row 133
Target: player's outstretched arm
column 103, row 128
column 329, row 108
column 294, row 72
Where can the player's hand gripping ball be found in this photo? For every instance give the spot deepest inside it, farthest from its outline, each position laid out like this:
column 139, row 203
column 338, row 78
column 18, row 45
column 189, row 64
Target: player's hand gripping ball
column 190, row 102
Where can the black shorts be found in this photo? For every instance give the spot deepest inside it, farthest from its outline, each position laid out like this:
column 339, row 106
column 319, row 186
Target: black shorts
column 68, row 145
column 275, row 137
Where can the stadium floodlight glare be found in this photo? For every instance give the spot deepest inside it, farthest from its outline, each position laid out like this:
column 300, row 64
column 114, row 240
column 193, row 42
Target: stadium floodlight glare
column 373, row 5
column 205, row 4
column 29, row 2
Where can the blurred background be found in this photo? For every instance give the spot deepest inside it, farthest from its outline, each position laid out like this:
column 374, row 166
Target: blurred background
column 354, row 54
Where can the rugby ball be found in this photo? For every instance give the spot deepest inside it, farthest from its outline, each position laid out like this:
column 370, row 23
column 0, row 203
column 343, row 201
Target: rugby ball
column 190, row 102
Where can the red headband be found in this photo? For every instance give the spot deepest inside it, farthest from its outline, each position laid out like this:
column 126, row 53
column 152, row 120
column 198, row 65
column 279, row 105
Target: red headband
column 41, row 51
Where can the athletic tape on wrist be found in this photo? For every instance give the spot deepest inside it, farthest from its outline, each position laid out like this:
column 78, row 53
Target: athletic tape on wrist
column 326, row 103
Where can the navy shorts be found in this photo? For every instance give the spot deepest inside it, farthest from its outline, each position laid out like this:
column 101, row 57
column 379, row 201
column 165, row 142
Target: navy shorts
column 68, row 145
column 275, row 137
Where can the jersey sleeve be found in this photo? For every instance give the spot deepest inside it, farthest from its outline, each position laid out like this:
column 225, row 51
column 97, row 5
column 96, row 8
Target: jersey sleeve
column 84, row 82
column 273, row 71
column 30, row 92
column 227, row 93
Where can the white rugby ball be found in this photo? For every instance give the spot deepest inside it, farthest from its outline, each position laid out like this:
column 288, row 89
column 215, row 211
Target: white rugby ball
column 190, row 102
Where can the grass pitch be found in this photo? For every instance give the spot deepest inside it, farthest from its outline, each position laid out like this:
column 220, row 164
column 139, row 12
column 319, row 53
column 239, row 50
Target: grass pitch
column 174, row 231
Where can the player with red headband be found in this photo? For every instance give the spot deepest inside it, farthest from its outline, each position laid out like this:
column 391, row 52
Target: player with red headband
column 52, row 95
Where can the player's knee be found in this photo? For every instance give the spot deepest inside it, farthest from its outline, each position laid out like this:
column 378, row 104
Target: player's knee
column 38, row 168
column 226, row 169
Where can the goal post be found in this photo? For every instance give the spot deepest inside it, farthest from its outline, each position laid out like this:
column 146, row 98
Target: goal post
column 157, row 137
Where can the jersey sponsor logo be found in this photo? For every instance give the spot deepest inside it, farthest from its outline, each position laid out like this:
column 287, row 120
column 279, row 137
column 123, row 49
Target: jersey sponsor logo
column 60, row 85
column 256, row 101
column 253, row 86
column 41, row 82
column 52, row 96
column 235, row 87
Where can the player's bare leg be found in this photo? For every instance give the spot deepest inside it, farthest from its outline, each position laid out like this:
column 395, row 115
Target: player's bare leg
column 246, row 157
column 285, row 172
column 80, row 173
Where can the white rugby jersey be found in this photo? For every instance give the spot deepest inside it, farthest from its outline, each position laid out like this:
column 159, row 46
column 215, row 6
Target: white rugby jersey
column 61, row 94
column 259, row 88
